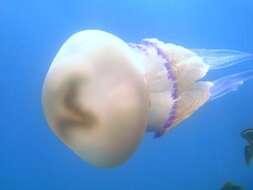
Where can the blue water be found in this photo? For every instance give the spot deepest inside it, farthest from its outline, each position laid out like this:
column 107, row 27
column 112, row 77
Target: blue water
column 201, row 154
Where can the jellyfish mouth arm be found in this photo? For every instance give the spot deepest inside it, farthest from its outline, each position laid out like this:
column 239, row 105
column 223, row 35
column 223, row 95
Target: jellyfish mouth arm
column 229, row 84
column 171, row 75
column 175, row 74
column 222, row 58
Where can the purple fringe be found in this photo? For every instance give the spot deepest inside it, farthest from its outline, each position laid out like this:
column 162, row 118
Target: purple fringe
column 169, row 121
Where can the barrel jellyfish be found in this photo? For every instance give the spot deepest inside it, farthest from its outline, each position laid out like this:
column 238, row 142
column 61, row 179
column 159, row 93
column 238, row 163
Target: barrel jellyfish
column 102, row 94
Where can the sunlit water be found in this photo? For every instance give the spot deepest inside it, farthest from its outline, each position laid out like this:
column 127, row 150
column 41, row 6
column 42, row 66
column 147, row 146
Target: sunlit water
column 203, row 153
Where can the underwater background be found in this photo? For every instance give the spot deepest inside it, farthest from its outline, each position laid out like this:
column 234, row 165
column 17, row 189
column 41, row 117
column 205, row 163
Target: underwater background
column 203, row 153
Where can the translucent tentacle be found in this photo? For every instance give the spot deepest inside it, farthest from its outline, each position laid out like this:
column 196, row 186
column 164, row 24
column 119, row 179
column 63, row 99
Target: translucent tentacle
column 221, row 58
column 229, row 83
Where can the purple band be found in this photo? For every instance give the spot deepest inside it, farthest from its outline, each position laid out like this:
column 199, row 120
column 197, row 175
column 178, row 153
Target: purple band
column 170, row 75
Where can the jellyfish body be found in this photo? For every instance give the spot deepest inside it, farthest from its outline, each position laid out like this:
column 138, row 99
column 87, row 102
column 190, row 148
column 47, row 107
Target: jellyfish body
column 102, row 94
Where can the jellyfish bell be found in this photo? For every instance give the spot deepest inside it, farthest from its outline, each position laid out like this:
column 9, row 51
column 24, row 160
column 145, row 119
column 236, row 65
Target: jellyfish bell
column 102, row 94
column 94, row 98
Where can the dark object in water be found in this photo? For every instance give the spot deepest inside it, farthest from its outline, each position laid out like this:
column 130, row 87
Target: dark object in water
column 248, row 151
column 231, row 186
column 247, row 134
column 248, row 154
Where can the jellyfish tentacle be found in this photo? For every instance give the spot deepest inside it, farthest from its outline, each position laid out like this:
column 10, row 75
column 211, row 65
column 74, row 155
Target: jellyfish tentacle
column 222, row 58
column 229, row 83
